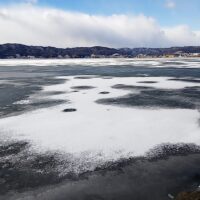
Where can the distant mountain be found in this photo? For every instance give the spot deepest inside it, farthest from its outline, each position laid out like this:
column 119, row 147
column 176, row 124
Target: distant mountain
column 162, row 51
column 24, row 51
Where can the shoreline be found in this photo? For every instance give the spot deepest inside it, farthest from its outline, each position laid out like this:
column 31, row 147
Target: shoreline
column 117, row 58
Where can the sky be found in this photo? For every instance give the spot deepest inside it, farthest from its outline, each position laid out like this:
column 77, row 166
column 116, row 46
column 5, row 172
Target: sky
column 112, row 23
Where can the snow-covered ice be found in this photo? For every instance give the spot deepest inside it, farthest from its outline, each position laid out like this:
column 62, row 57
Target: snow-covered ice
column 112, row 131
column 173, row 62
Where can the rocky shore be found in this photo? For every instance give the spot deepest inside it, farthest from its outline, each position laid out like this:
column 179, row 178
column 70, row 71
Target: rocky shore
column 194, row 195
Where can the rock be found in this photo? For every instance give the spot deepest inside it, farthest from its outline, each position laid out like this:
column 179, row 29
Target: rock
column 170, row 196
column 104, row 92
column 70, row 110
column 150, row 82
column 82, row 87
column 188, row 196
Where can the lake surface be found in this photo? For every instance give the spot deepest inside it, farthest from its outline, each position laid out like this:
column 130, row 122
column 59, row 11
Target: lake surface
column 99, row 128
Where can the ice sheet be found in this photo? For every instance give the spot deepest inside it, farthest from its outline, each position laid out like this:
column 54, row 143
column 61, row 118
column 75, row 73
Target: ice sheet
column 158, row 62
column 103, row 130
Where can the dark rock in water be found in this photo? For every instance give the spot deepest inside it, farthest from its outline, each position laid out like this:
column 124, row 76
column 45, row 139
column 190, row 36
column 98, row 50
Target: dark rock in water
column 82, row 87
column 147, row 82
column 188, row 196
column 70, row 110
column 104, row 92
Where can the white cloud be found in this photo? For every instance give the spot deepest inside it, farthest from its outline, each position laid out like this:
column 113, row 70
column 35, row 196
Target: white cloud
column 170, row 4
column 182, row 35
column 30, row 24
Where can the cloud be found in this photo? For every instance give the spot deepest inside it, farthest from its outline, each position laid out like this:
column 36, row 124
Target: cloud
column 170, row 4
column 29, row 24
column 182, row 35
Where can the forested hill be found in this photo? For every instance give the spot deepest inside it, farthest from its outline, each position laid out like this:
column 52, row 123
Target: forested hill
column 24, row 51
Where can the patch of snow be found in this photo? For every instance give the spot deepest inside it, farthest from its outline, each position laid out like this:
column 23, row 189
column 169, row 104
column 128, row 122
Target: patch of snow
column 22, row 102
column 103, row 132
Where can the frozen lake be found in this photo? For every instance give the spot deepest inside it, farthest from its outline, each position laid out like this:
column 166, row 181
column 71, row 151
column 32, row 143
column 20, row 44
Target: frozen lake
column 61, row 119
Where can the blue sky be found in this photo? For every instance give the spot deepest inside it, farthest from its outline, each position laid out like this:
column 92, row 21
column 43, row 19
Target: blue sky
column 114, row 23
column 183, row 12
